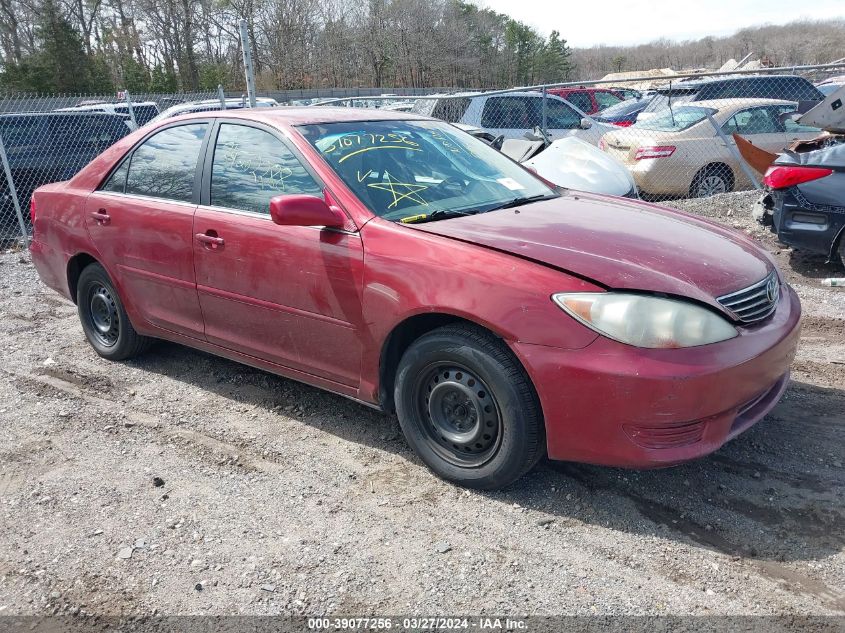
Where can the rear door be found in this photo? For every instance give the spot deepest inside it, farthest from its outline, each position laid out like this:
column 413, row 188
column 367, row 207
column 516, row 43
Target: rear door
column 141, row 221
column 759, row 125
column 290, row 295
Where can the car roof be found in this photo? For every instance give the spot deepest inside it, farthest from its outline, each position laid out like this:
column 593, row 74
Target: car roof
column 733, row 104
column 698, row 82
column 307, row 115
column 93, row 114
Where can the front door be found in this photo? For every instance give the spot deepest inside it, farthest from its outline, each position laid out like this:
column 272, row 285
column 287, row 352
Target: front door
column 141, row 221
column 286, row 294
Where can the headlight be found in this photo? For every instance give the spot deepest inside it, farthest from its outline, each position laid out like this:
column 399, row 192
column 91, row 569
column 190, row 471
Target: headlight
column 645, row 321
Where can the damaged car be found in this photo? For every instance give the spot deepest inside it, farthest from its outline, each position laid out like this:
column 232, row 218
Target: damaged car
column 805, row 200
column 567, row 162
column 400, row 262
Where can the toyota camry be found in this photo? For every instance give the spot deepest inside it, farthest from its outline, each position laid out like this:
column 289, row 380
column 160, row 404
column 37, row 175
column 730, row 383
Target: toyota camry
column 396, row 260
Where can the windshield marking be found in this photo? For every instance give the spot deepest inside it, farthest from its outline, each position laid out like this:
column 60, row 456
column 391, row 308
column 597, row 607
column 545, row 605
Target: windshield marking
column 367, row 149
column 411, row 194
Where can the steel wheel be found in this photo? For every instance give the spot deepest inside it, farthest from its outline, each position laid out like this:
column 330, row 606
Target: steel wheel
column 104, row 314
column 461, row 415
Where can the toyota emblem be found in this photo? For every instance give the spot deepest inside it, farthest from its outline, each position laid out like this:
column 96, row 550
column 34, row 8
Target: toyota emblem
column 772, row 289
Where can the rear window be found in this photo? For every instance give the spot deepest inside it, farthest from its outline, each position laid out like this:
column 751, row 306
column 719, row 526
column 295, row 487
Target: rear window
column 676, row 119
column 661, row 100
column 580, row 100
column 623, row 108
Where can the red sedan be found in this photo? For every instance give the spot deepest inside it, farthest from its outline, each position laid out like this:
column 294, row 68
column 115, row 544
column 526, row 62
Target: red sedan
column 398, row 261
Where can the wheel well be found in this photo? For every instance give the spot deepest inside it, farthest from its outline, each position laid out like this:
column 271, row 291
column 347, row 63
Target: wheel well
column 75, row 266
column 399, row 339
column 838, row 246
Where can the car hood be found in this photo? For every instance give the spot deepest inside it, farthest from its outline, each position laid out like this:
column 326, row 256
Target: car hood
column 575, row 164
column 618, row 243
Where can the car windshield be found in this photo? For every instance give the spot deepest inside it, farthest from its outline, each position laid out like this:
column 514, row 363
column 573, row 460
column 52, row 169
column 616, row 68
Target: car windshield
column 675, row 120
column 410, row 170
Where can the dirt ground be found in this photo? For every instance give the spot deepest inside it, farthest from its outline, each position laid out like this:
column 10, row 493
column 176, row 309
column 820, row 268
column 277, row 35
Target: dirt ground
column 181, row 483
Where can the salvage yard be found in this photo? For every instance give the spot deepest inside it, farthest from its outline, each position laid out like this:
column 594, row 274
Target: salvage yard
column 184, row 483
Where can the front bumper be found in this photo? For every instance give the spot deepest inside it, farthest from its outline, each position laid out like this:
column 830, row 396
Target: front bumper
column 617, row 405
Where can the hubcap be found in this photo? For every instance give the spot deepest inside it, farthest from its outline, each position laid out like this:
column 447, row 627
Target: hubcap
column 463, row 419
column 711, row 185
column 104, row 316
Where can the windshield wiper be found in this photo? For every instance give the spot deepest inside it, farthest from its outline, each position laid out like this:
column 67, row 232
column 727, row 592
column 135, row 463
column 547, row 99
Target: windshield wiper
column 516, row 202
column 439, row 214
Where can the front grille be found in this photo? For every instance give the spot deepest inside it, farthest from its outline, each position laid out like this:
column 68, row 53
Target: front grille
column 755, row 302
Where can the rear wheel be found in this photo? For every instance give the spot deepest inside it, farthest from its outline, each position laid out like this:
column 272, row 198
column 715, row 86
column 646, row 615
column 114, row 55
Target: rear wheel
column 712, row 180
column 468, row 409
column 104, row 320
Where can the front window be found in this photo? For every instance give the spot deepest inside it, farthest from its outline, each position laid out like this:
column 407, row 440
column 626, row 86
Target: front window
column 675, row 119
column 250, row 166
column 403, row 170
column 512, row 112
column 559, row 116
column 753, row 121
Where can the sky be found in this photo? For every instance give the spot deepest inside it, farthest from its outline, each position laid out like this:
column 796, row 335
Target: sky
column 625, row 22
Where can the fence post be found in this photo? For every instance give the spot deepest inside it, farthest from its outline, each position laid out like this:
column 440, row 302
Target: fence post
column 545, row 111
column 222, row 96
column 129, row 106
column 735, row 152
column 13, row 192
column 250, row 73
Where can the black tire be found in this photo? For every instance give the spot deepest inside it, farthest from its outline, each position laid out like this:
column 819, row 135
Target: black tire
column 842, row 250
column 104, row 320
column 468, row 409
column 706, row 181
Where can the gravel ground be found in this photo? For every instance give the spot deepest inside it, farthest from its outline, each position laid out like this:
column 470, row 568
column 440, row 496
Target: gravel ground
column 181, row 483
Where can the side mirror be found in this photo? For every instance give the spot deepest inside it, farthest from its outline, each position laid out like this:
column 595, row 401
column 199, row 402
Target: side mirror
column 304, row 210
column 586, row 124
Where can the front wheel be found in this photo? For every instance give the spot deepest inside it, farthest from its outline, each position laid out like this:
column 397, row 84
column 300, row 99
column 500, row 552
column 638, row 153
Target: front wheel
column 468, row 409
column 103, row 317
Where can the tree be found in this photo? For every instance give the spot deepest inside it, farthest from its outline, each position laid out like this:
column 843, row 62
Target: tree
column 554, row 65
column 618, row 63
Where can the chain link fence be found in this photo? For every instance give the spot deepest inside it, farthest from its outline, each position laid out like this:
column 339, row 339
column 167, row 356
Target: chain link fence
column 672, row 135
column 49, row 138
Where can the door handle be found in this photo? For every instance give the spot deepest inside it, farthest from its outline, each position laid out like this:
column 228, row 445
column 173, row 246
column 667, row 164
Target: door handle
column 210, row 241
column 101, row 216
